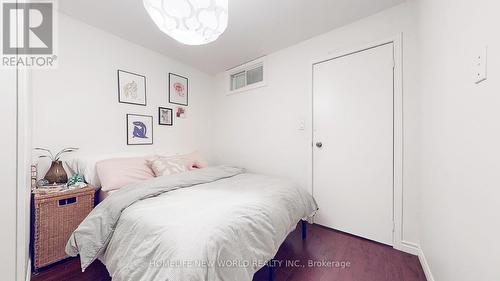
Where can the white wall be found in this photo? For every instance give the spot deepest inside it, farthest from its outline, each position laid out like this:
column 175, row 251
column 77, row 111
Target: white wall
column 450, row 156
column 258, row 129
column 77, row 104
column 8, row 171
column 460, row 139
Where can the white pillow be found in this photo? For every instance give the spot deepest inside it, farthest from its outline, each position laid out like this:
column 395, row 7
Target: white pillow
column 169, row 165
column 85, row 165
column 166, row 166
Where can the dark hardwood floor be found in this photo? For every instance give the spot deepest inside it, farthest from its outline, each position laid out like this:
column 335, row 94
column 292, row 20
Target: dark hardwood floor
column 368, row 261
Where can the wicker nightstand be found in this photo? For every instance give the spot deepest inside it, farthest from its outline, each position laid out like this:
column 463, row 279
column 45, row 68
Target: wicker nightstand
column 54, row 217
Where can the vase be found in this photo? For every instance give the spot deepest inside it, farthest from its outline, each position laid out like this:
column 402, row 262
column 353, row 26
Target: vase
column 56, row 174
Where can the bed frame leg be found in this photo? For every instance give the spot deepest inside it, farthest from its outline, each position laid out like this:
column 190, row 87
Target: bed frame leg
column 304, row 230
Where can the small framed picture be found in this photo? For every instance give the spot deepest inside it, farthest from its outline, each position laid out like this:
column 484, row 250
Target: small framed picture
column 131, row 88
column 165, row 116
column 180, row 112
column 139, row 129
column 178, row 89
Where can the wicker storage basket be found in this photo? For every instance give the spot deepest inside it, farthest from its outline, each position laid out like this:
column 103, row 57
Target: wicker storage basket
column 56, row 216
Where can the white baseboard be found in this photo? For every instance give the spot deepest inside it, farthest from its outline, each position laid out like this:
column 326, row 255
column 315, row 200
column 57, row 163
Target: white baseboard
column 408, row 247
column 425, row 265
column 415, row 249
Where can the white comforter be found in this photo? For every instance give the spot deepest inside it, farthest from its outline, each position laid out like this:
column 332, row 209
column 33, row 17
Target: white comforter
column 220, row 230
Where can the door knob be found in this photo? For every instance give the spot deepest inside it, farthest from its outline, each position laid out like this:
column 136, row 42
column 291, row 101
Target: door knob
column 319, row 144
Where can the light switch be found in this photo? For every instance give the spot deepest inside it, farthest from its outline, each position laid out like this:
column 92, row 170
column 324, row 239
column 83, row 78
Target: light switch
column 481, row 66
column 302, row 125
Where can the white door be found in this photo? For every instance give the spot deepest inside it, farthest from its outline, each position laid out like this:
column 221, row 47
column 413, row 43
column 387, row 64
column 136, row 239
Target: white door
column 353, row 143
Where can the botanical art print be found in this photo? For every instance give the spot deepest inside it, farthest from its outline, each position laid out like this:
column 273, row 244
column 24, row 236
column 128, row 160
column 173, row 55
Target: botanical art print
column 178, row 89
column 131, row 88
column 165, row 116
column 139, row 129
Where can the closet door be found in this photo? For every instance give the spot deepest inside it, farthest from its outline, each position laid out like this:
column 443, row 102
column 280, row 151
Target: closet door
column 8, row 173
column 353, row 143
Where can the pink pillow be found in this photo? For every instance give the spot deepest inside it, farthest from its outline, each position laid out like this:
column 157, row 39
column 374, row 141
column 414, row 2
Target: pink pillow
column 195, row 161
column 118, row 172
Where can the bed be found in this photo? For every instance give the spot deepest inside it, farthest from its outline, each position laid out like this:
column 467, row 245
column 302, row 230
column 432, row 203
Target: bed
column 212, row 224
column 103, row 194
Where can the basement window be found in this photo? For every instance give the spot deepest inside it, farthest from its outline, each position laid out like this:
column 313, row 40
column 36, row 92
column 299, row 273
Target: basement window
column 238, row 80
column 246, row 77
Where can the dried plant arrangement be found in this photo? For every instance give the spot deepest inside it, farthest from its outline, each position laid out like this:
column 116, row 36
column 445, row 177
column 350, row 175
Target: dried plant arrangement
column 56, row 173
column 48, row 153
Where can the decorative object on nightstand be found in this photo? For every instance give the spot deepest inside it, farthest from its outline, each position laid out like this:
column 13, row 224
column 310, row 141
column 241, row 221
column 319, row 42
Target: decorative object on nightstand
column 55, row 216
column 56, row 173
column 75, row 180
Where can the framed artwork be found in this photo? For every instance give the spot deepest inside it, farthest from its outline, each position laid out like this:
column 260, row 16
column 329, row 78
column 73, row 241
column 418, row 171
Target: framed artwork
column 165, row 116
column 139, row 129
column 178, row 89
column 180, row 112
column 131, row 88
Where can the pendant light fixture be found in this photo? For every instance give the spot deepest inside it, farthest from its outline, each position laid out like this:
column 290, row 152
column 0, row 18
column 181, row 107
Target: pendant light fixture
column 191, row 22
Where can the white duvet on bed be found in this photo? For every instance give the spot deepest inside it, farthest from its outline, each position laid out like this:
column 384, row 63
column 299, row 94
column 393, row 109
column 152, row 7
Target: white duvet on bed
column 222, row 230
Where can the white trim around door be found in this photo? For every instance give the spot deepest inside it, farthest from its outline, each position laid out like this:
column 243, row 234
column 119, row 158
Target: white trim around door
column 398, row 237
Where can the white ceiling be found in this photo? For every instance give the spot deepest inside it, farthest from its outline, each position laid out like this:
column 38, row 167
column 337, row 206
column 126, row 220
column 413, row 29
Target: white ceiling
column 256, row 27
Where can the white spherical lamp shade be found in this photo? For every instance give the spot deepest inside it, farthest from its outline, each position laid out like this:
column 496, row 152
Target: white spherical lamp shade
column 191, row 22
